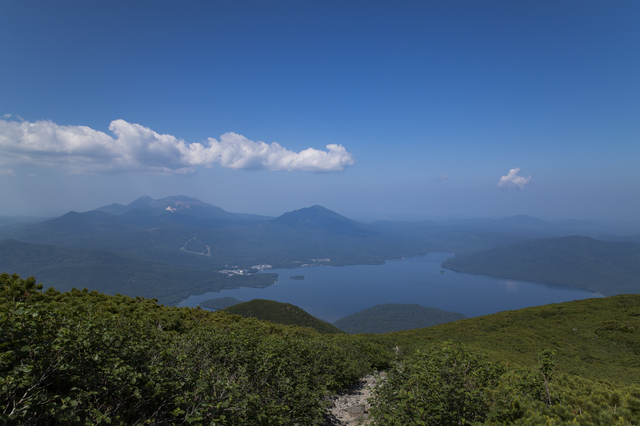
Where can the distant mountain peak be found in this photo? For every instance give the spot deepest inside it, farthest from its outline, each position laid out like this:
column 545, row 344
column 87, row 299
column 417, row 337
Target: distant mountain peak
column 319, row 217
column 182, row 199
column 145, row 211
column 172, row 204
column 145, row 199
column 179, row 202
column 311, row 212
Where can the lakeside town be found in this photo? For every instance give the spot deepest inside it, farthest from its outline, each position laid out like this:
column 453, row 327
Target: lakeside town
column 260, row 268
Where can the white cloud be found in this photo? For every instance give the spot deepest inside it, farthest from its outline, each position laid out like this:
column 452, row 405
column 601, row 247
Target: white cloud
column 512, row 181
column 444, row 177
column 7, row 173
column 81, row 149
column 6, row 116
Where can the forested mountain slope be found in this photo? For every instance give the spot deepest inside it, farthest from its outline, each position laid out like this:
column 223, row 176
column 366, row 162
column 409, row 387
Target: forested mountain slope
column 394, row 317
column 601, row 266
column 114, row 273
column 280, row 313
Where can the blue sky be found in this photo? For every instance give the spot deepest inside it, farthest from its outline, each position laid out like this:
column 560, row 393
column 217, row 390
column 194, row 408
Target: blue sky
column 426, row 106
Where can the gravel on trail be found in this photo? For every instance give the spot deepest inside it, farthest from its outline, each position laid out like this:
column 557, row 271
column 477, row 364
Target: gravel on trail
column 351, row 407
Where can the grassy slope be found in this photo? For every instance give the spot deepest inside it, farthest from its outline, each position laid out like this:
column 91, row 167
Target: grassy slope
column 394, row 317
column 281, row 313
column 606, row 267
column 593, row 338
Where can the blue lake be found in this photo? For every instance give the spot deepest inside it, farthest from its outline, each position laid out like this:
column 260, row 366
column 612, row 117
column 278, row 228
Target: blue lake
column 331, row 293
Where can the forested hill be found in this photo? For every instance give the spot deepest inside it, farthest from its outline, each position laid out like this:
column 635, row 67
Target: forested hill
column 605, row 267
column 113, row 273
column 321, row 218
column 394, row 317
column 281, row 313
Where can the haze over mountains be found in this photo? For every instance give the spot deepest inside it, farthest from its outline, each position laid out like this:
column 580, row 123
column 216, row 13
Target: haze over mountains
column 177, row 246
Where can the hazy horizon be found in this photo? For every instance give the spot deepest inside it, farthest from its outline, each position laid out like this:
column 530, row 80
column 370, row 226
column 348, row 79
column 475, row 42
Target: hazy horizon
column 376, row 110
column 363, row 218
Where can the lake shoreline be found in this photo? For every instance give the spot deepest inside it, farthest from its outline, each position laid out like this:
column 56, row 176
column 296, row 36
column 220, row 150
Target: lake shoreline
column 333, row 293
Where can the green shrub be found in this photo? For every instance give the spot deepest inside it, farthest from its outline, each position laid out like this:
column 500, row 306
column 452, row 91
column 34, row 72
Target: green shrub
column 85, row 358
column 453, row 386
column 439, row 387
column 578, row 401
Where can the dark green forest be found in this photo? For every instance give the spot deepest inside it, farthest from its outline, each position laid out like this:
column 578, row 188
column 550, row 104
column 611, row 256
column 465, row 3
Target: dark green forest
column 82, row 357
column 113, row 273
column 394, row 317
column 219, row 303
column 281, row 313
column 605, row 267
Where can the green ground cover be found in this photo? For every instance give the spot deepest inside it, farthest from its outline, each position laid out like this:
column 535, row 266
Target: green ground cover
column 83, row 357
column 593, row 338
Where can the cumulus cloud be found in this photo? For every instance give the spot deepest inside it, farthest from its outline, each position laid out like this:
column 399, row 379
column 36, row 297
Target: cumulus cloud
column 81, row 149
column 513, row 181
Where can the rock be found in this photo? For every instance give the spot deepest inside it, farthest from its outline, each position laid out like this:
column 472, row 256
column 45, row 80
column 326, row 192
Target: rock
column 356, row 411
column 350, row 408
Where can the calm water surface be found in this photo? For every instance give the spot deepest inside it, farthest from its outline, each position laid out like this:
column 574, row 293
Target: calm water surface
column 331, row 293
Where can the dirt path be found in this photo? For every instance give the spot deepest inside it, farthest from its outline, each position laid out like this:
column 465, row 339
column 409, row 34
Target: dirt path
column 183, row 248
column 351, row 407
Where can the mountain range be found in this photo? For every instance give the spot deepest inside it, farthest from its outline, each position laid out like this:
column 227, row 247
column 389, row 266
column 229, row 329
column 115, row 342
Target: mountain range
column 187, row 246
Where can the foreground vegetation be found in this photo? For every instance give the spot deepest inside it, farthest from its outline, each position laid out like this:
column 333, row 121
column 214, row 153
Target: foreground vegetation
column 596, row 338
column 82, row 357
column 452, row 385
column 86, row 358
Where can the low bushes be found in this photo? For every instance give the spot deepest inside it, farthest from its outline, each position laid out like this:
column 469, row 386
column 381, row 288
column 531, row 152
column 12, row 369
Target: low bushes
column 86, row 358
column 454, row 386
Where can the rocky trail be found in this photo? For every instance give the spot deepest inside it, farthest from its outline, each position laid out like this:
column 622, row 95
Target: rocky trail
column 351, row 407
